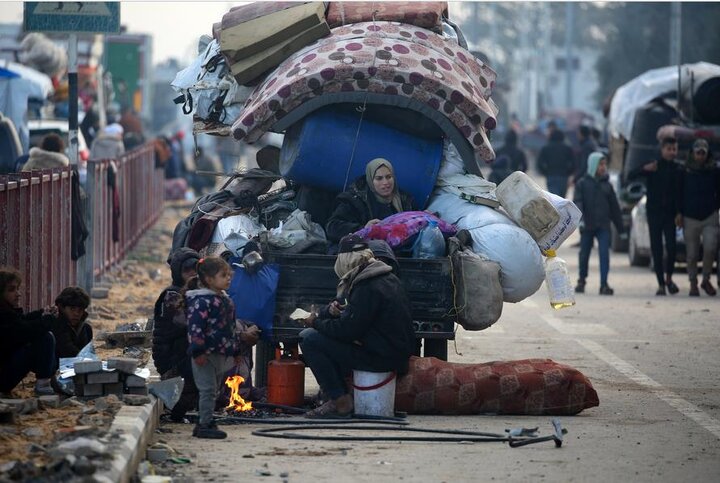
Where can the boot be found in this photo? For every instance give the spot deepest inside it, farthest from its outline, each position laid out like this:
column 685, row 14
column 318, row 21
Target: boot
column 580, row 287
column 708, row 288
column 209, row 431
column 606, row 290
column 694, row 292
column 43, row 388
column 671, row 287
column 661, row 290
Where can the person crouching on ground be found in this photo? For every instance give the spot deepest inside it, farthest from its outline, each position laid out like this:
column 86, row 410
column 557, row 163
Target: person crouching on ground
column 170, row 332
column 595, row 197
column 26, row 345
column 213, row 343
column 70, row 328
column 367, row 327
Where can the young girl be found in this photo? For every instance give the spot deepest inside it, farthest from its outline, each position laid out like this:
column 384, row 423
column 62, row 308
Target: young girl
column 213, row 344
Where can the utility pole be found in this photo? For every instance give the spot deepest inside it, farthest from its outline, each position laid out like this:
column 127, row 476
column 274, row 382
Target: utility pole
column 569, row 34
column 676, row 44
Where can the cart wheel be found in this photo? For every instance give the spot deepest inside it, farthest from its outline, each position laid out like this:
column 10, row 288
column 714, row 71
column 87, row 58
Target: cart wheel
column 436, row 348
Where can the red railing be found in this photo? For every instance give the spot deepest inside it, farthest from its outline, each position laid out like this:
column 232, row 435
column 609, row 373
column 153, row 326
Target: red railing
column 140, row 200
column 35, row 224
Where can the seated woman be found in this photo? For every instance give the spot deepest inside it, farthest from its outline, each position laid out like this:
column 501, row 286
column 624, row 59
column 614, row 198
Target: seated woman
column 367, row 327
column 368, row 200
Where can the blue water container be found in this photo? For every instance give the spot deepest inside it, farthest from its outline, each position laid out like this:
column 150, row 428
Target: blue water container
column 318, row 150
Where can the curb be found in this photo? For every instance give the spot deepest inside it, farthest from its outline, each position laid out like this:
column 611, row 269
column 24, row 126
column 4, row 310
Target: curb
column 136, row 425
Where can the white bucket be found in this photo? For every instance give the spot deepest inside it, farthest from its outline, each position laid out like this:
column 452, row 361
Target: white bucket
column 374, row 393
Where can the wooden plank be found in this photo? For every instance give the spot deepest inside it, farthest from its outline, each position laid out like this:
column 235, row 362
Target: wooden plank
column 255, row 36
column 251, row 67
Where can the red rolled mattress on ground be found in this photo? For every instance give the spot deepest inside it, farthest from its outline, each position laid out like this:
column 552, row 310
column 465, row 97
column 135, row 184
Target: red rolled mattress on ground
column 529, row 386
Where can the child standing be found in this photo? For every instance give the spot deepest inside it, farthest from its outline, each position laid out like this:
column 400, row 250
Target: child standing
column 212, row 339
column 595, row 197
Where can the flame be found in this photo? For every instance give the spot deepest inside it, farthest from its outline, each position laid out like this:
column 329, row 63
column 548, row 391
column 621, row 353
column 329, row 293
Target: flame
column 236, row 402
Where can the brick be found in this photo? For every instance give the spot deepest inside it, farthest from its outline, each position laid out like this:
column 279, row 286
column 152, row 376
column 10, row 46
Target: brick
column 114, row 388
column 135, row 400
column 104, row 377
column 123, row 364
column 90, row 390
column 49, row 401
column 85, row 367
column 135, row 381
column 137, row 391
column 99, row 292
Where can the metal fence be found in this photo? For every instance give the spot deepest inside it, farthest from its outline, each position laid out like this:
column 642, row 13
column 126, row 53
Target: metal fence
column 35, row 224
column 139, row 196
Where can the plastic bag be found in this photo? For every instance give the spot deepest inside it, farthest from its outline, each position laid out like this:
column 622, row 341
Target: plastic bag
column 451, row 163
column 297, row 227
column 254, row 295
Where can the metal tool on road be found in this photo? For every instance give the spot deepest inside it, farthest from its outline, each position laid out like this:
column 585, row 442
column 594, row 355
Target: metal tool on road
column 557, row 437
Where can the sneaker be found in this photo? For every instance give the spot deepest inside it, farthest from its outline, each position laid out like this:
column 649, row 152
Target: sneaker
column 580, row 287
column 708, row 288
column 606, row 290
column 43, row 388
column 661, row 290
column 672, row 288
column 208, row 432
column 694, row 292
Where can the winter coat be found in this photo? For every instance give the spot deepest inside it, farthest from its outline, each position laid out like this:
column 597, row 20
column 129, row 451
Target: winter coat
column 698, row 192
column 599, row 205
column 515, row 156
column 170, row 332
column 20, row 329
column 661, row 187
column 41, row 159
column 211, row 323
column 355, row 207
column 377, row 319
column 68, row 340
column 556, row 159
column 107, row 147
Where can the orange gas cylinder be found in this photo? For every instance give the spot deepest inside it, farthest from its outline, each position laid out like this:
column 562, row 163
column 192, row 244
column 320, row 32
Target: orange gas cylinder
column 286, row 379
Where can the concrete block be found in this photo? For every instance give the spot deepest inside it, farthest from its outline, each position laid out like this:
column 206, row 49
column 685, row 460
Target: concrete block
column 91, row 390
column 138, row 391
column 157, row 455
column 99, row 292
column 123, row 364
column 104, row 377
column 21, row 406
column 85, row 367
column 135, row 400
column 135, row 381
column 115, row 388
column 49, row 401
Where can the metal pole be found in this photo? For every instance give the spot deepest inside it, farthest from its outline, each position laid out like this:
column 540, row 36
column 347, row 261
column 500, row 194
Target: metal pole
column 73, row 98
column 676, row 45
column 569, row 25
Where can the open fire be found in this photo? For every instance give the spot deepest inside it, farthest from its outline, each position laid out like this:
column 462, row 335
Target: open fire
column 236, row 402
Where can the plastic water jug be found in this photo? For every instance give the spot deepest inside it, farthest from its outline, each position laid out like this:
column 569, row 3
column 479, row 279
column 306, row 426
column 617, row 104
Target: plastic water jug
column 430, row 242
column 557, row 279
column 524, row 201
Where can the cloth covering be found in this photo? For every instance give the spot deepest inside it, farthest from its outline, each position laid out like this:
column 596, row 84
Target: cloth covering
column 398, row 229
column 427, row 15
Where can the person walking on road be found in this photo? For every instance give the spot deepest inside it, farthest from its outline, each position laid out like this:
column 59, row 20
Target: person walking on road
column 587, row 147
column 661, row 191
column 557, row 163
column 698, row 203
column 595, row 197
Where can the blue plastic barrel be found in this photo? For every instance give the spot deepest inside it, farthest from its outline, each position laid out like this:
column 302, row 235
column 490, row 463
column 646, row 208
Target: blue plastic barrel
column 317, row 151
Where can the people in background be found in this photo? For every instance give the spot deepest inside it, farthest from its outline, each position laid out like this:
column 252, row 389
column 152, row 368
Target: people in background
column 170, row 332
column 109, row 143
column 369, row 199
column 587, row 146
column 367, row 327
column 556, row 162
column 595, row 197
column 71, row 330
column 661, row 177
column 698, row 203
column 27, row 343
column 50, row 154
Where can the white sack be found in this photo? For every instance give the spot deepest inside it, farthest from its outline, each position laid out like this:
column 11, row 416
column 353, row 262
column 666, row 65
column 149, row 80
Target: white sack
column 569, row 221
column 451, row 162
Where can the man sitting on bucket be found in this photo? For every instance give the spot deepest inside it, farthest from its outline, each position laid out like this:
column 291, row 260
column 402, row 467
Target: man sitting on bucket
column 367, row 327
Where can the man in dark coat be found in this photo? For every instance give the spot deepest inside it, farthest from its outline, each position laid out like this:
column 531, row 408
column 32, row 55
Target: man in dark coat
column 170, row 336
column 516, row 160
column 661, row 190
column 557, row 163
column 595, row 197
column 70, row 328
column 587, row 147
column 368, row 327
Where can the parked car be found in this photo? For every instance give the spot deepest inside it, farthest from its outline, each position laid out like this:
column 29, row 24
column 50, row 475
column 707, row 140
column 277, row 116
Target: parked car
column 10, row 147
column 639, row 240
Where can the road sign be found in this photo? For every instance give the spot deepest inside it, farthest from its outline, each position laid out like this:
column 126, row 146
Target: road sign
column 71, row 17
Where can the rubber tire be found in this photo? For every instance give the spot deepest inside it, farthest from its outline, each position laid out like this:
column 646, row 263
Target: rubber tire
column 436, row 348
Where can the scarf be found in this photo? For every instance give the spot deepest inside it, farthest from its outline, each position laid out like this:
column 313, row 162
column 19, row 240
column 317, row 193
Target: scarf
column 371, row 268
column 370, row 170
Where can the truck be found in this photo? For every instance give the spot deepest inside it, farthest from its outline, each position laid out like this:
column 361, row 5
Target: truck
column 128, row 60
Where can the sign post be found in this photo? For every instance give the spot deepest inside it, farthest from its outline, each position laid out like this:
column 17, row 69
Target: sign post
column 72, row 18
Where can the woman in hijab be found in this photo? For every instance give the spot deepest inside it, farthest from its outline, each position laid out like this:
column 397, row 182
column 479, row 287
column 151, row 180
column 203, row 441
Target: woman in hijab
column 368, row 200
column 367, row 327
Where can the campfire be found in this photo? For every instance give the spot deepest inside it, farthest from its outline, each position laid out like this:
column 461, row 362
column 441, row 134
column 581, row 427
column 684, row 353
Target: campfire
column 236, row 402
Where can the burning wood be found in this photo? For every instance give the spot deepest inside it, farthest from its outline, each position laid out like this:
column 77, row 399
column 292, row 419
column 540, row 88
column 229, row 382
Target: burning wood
column 236, row 402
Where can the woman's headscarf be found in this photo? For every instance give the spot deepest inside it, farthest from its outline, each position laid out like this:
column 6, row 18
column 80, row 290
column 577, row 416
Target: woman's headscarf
column 370, row 170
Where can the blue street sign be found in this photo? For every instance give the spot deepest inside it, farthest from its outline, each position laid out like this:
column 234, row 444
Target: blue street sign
column 71, row 17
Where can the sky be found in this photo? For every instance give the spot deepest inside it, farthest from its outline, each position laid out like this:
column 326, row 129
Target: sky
column 175, row 26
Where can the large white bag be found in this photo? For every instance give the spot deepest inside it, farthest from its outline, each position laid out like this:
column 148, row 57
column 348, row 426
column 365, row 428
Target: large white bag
column 569, row 221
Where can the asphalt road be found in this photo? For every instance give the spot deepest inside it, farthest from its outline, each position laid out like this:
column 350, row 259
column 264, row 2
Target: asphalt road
column 653, row 360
